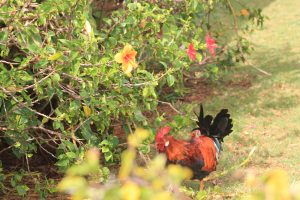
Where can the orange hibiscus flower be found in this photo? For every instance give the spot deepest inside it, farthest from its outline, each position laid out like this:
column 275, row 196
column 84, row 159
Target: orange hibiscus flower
column 127, row 58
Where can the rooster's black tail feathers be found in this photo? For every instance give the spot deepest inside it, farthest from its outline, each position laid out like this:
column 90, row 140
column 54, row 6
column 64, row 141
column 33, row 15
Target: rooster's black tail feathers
column 219, row 127
column 204, row 123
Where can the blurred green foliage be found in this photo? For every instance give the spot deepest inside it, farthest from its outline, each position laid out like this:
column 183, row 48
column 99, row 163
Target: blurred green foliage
column 134, row 182
column 273, row 185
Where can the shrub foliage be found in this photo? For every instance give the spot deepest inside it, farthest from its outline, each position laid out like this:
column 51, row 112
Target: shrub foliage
column 73, row 70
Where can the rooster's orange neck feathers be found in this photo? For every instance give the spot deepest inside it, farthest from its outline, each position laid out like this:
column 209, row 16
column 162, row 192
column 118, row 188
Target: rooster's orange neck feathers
column 176, row 150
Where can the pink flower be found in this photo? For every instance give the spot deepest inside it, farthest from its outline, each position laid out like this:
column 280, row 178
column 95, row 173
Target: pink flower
column 211, row 45
column 191, row 52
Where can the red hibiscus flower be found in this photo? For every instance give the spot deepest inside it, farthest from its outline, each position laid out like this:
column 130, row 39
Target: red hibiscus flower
column 211, row 45
column 191, row 52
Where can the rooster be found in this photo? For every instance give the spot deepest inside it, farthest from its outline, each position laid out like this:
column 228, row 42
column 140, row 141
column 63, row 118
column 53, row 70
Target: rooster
column 201, row 152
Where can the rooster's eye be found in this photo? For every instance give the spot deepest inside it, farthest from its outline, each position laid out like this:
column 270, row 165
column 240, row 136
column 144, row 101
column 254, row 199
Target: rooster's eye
column 167, row 143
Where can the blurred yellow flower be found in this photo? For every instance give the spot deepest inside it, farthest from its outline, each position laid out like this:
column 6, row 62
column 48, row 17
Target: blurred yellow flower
column 127, row 58
column 162, row 196
column 130, row 191
column 128, row 158
column 138, row 137
column 277, row 185
column 178, row 173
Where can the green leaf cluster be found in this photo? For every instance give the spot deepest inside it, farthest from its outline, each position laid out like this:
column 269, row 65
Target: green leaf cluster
column 61, row 90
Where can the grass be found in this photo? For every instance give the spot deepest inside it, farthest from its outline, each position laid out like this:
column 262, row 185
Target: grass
column 266, row 114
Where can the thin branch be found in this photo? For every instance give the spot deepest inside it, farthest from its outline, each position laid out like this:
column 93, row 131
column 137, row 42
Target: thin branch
column 38, row 113
column 78, row 127
column 146, row 161
column 236, row 30
column 134, row 84
column 70, row 92
column 170, row 105
column 46, row 130
column 90, row 64
column 146, row 83
column 129, row 127
column 95, row 64
column 34, row 111
column 173, row 108
column 51, row 154
column 27, row 162
column 9, row 63
column 7, row 148
column 29, row 86
column 236, row 25
column 34, row 85
column 259, row 69
column 204, row 61
column 123, row 144
column 73, row 77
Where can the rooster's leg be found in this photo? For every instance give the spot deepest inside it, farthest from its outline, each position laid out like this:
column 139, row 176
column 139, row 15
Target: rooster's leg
column 201, row 185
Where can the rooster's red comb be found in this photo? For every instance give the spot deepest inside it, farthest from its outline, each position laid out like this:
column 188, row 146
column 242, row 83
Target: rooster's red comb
column 162, row 132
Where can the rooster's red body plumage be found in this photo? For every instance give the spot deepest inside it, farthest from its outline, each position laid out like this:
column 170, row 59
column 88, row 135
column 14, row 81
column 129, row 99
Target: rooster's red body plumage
column 201, row 152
